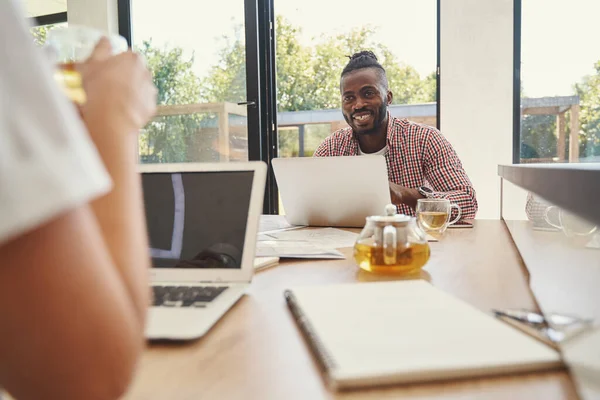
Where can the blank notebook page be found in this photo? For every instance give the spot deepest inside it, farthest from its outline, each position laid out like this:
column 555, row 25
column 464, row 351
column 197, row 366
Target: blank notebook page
column 407, row 331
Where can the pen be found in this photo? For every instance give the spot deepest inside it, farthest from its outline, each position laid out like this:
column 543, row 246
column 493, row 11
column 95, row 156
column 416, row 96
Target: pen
column 522, row 316
column 552, row 319
column 539, row 332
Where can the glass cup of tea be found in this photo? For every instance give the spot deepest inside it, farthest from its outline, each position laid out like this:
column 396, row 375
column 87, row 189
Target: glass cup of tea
column 73, row 45
column 433, row 215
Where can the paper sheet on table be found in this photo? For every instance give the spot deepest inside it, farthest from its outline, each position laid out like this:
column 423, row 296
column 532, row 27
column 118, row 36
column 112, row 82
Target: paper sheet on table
column 331, row 238
column 274, row 223
column 326, row 237
column 295, row 249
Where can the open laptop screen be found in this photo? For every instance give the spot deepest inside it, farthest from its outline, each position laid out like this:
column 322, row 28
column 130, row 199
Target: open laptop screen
column 197, row 219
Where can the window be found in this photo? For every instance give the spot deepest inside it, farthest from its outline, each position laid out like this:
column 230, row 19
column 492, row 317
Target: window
column 45, row 16
column 560, row 81
column 313, row 39
column 199, row 66
column 40, row 32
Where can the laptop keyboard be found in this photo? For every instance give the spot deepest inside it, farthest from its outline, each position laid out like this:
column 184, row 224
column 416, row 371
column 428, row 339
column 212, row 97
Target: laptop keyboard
column 185, row 296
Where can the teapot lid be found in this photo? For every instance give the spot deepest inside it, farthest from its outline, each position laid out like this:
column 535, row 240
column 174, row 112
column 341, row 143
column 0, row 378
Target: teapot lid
column 391, row 215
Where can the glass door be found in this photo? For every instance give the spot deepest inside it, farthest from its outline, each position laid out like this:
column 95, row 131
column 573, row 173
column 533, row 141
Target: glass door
column 200, row 66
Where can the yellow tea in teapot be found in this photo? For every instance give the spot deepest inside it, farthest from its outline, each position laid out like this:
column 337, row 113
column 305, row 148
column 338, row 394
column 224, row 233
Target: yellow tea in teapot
column 408, row 259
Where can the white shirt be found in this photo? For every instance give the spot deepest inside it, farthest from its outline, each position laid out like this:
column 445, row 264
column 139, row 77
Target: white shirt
column 381, row 152
column 48, row 163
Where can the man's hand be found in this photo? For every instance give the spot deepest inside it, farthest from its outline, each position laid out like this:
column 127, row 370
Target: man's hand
column 404, row 195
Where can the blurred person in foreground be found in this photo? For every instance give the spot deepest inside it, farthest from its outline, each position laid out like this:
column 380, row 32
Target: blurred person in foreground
column 73, row 248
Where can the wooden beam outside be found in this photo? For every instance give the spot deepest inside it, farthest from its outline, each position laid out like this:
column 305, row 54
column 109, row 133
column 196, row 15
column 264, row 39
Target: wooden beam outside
column 574, row 139
column 541, row 111
column 223, row 142
column 182, row 109
column 235, row 109
column 561, row 144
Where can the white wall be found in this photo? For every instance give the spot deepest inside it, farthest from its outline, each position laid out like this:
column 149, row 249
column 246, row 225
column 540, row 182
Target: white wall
column 514, row 200
column 99, row 14
column 476, row 110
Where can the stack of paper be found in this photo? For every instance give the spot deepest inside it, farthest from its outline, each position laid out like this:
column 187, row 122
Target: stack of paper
column 274, row 223
column 277, row 238
column 295, row 249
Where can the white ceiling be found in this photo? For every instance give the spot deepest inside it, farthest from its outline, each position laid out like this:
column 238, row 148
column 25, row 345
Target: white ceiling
column 36, row 8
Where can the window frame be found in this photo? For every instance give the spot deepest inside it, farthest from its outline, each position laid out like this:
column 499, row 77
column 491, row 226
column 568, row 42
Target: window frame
column 516, row 144
column 49, row 19
column 259, row 78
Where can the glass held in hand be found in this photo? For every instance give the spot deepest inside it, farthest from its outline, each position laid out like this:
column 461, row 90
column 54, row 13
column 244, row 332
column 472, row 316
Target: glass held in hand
column 71, row 46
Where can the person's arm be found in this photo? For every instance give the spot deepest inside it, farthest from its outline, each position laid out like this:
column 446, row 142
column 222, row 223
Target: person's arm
column 446, row 175
column 404, row 195
column 69, row 327
column 72, row 298
column 120, row 214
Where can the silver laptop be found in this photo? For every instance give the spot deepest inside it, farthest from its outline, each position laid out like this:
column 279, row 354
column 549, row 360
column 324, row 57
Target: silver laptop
column 332, row 191
column 202, row 224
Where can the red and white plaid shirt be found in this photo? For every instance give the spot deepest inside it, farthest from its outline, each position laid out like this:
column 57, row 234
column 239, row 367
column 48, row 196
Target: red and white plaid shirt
column 418, row 155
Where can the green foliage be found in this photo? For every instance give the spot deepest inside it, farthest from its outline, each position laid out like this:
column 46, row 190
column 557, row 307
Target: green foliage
column 589, row 93
column 538, row 132
column 173, row 75
column 538, row 138
column 170, row 138
column 40, row 33
column 309, row 78
column 226, row 81
column 295, row 76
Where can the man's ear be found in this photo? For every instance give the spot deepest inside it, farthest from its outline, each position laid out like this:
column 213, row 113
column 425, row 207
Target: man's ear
column 390, row 97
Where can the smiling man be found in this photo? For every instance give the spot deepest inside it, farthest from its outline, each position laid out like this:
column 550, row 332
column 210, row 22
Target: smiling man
column 421, row 162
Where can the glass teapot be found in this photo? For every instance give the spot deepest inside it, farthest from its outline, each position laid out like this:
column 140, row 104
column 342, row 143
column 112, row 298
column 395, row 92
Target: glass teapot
column 393, row 243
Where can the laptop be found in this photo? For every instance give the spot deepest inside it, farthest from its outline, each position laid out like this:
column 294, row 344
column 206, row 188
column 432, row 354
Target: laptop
column 202, row 225
column 332, row 191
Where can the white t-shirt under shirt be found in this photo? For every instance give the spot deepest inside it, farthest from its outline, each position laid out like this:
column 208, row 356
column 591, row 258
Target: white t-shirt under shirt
column 381, row 152
column 48, row 163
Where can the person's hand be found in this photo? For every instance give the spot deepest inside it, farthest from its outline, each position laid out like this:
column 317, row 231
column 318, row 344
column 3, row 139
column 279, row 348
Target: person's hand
column 396, row 193
column 403, row 195
column 121, row 97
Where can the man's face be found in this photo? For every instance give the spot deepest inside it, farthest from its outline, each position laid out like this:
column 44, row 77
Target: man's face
column 364, row 101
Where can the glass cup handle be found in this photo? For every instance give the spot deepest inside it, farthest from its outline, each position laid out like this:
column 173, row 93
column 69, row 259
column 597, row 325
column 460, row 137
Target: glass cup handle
column 455, row 220
column 389, row 245
column 547, row 218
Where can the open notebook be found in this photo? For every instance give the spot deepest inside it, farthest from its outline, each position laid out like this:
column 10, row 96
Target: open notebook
column 367, row 334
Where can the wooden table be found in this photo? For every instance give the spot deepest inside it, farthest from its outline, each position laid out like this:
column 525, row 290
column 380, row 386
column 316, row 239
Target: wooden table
column 257, row 352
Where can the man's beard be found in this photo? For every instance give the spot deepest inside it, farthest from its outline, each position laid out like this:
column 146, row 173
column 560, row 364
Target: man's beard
column 377, row 124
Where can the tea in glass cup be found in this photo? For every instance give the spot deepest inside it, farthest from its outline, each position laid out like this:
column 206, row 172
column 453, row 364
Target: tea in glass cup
column 433, row 215
column 73, row 45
